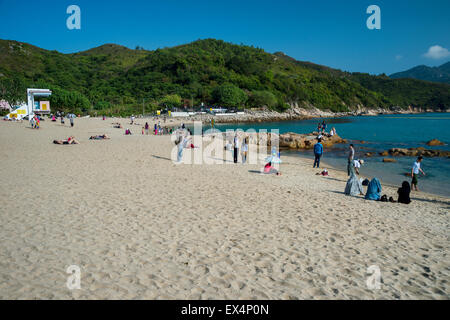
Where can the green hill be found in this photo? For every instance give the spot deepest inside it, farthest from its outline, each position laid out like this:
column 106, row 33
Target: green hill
column 437, row 74
column 115, row 79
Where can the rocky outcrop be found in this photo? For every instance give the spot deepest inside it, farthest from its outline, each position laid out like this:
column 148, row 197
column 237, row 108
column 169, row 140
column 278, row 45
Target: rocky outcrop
column 435, row 142
column 415, row 152
column 307, row 141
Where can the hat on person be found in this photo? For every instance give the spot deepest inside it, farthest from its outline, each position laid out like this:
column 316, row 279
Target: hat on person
column 361, row 161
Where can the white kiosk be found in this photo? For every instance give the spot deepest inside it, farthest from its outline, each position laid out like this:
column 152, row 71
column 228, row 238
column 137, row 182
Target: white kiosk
column 32, row 107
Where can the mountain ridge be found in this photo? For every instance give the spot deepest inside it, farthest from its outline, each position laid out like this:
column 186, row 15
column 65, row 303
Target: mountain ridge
column 422, row 72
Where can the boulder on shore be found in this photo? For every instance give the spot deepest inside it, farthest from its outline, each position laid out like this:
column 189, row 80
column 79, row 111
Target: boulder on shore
column 389, row 160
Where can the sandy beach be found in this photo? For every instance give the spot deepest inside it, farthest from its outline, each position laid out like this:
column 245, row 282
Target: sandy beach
column 140, row 227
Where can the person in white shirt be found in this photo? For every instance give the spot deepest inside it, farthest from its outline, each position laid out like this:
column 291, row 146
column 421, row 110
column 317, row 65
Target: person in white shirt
column 357, row 164
column 415, row 172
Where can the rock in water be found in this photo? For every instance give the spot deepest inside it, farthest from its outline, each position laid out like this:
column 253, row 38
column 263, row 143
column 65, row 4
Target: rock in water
column 435, row 142
column 389, row 160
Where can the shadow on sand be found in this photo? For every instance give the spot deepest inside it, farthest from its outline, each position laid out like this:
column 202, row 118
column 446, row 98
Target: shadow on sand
column 161, row 158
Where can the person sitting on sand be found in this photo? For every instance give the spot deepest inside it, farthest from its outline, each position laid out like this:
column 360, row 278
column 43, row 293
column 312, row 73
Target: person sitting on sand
column 99, row 137
column 374, row 190
column 353, row 186
column 404, row 193
column 128, row 132
column 70, row 140
column 268, row 169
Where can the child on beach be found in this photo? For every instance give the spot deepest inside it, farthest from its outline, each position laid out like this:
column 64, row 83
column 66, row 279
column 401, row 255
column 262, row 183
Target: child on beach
column 415, row 172
column 268, row 169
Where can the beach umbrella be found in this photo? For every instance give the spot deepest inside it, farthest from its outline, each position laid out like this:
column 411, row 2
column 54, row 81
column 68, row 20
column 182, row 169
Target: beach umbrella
column 273, row 159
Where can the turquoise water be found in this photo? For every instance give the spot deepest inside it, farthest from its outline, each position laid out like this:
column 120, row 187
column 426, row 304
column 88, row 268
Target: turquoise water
column 380, row 133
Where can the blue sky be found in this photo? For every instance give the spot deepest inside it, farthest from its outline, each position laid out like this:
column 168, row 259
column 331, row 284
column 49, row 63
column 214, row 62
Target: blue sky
column 331, row 33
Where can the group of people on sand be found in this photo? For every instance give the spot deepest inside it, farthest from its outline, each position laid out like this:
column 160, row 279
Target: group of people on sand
column 240, row 146
column 354, row 186
column 35, row 122
column 72, row 140
column 60, row 115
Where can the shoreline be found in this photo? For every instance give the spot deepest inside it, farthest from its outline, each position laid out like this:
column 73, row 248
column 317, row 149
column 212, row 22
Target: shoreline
column 325, row 164
column 297, row 115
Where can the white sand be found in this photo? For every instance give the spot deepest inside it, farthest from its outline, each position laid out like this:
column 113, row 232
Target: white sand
column 140, row 227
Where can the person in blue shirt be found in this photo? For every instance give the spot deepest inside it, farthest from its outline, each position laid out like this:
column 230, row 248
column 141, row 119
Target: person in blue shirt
column 318, row 151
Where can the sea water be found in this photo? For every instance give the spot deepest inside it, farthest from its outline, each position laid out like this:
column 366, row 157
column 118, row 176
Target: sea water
column 379, row 133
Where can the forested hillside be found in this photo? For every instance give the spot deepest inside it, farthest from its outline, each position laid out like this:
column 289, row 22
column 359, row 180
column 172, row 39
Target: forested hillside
column 113, row 79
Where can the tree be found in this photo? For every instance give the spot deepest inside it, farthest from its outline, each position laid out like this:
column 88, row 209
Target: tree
column 263, row 99
column 12, row 91
column 229, row 95
column 171, row 101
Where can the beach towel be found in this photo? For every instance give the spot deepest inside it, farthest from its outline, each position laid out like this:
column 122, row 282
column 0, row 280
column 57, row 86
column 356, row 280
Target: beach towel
column 374, row 190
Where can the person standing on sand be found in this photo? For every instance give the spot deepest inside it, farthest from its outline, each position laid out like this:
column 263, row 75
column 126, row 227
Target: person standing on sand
column 181, row 144
column 146, row 128
column 244, row 150
column 351, row 156
column 71, row 121
column 318, row 151
column 415, row 172
column 236, row 148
